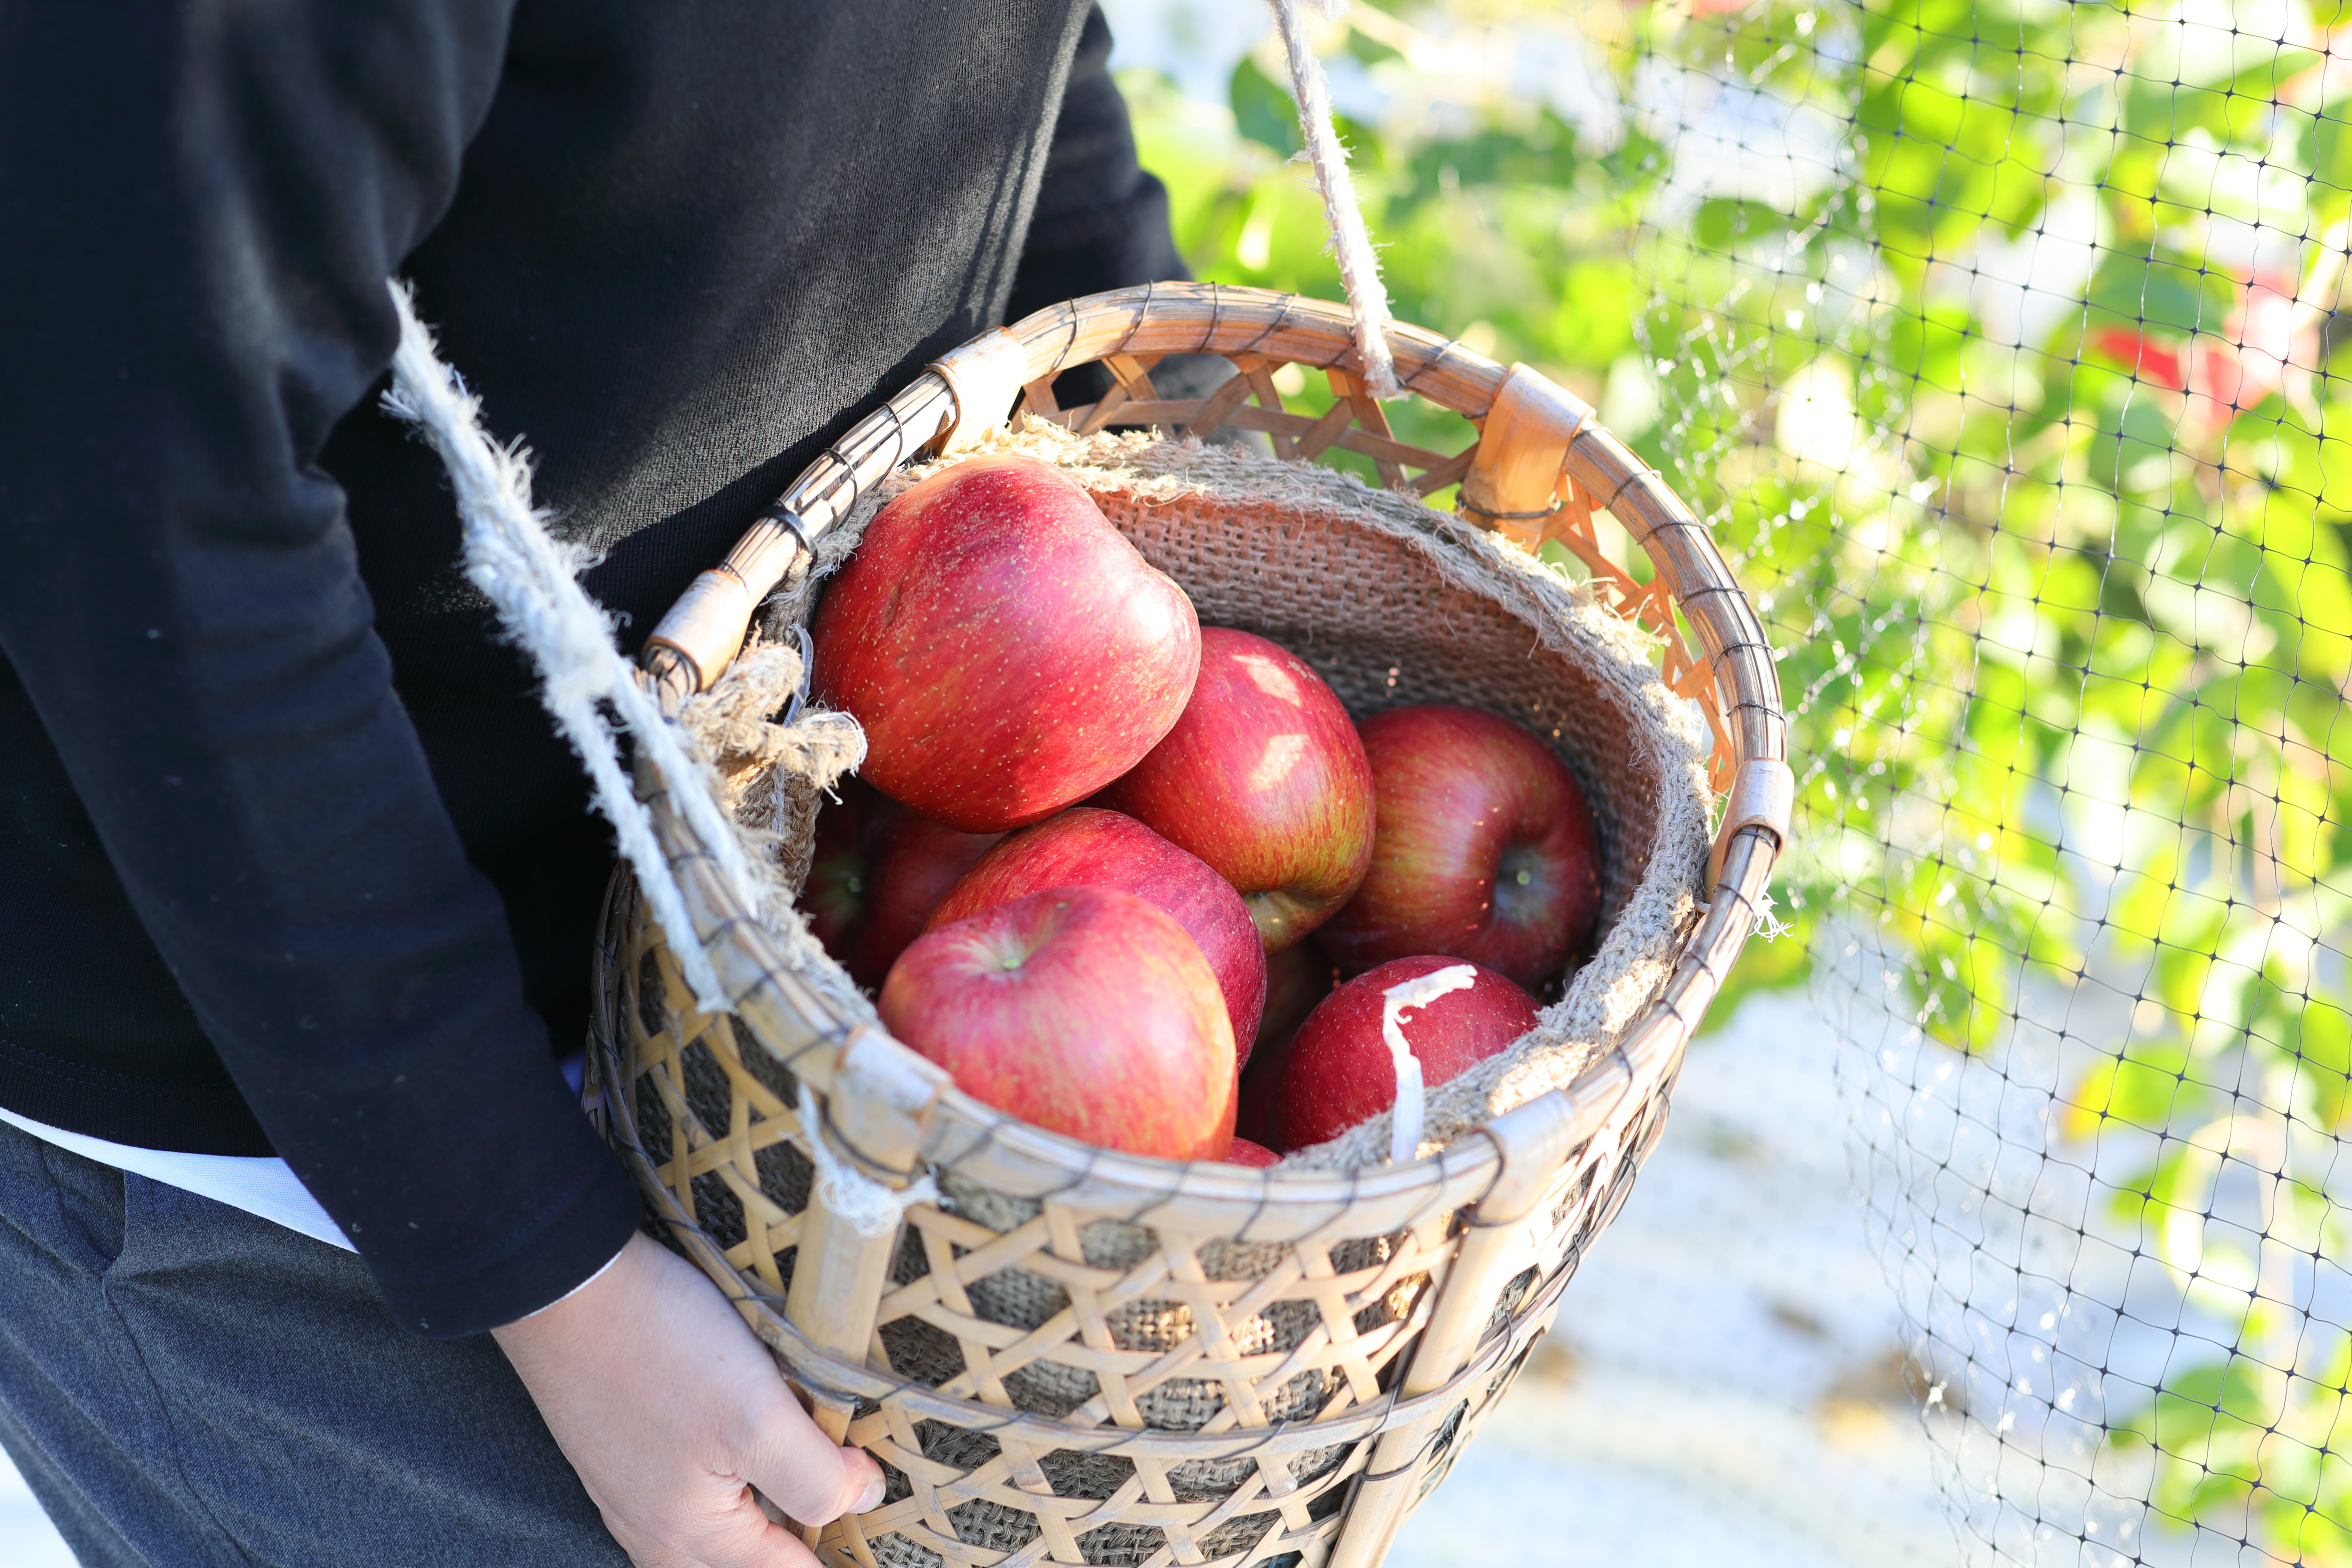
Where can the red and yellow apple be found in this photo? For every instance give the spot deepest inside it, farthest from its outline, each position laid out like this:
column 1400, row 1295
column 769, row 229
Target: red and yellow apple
column 1340, row 1072
column 1485, row 849
column 1263, row 778
column 1085, row 846
column 1255, row 1155
column 1006, row 650
column 877, row 870
column 1085, row 1011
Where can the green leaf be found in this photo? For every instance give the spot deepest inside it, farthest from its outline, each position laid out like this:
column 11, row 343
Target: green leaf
column 2326, row 145
column 1264, row 111
column 2161, row 292
column 1369, row 50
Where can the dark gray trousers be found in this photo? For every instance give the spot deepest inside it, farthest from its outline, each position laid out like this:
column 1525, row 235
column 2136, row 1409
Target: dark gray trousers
column 183, row 1384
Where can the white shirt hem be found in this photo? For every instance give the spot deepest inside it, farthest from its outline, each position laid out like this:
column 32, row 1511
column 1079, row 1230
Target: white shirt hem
column 260, row 1185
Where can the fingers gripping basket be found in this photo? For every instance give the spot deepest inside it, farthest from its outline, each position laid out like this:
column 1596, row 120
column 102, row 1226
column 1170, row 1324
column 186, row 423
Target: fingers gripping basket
column 1066, row 1356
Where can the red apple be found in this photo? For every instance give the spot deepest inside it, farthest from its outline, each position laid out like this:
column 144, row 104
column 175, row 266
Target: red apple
column 1256, row 1114
column 1297, row 979
column 1007, row 652
column 1263, row 778
column 1085, row 847
column 1340, row 1072
column 1485, row 850
column 833, row 897
column 1083, row 1010
column 1256, row 1156
column 877, row 872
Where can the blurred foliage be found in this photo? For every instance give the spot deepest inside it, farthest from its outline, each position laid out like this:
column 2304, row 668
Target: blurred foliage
column 1993, row 340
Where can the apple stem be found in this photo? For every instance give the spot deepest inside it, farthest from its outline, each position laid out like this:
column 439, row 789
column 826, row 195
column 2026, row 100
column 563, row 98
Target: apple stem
column 1411, row 1095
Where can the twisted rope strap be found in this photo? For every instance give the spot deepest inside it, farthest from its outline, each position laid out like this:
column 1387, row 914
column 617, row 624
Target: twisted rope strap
column 1352, row 243
column 532, row 581
column 1411, row 1092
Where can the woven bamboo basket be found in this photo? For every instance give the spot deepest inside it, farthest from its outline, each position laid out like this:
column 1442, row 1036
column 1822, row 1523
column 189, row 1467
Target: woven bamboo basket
column 1068, row 1356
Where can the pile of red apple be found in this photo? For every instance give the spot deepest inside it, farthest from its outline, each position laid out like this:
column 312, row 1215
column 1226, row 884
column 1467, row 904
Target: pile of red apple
column 1108, row 851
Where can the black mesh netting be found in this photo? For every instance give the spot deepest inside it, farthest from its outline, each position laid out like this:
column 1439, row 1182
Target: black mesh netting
column 1995, row 341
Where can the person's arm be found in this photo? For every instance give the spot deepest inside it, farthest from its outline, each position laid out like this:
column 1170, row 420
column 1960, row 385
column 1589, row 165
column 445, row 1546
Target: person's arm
column 194, row 276
column 1101, row 219
column 195, row 282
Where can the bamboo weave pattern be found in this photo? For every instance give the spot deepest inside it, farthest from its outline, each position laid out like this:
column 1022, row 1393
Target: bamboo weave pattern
column 1075, row 1356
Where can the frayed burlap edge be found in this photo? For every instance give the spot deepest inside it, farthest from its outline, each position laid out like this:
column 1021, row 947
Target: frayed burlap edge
column 772, row 777
column 1637, row 956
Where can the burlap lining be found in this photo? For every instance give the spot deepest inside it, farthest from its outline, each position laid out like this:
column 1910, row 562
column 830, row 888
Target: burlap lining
column 773, row 777
column 1393, row 603
column 1396, row 604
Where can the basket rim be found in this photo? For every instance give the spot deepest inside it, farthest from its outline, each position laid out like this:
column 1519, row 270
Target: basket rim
column 800, row 1030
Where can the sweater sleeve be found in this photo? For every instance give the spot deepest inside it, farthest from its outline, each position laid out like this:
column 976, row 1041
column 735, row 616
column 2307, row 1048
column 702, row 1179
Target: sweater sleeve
column 1101, row 220
column 195, row 276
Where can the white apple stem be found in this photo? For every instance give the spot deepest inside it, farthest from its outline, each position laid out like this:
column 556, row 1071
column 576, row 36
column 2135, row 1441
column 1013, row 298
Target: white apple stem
column 1412, row 1097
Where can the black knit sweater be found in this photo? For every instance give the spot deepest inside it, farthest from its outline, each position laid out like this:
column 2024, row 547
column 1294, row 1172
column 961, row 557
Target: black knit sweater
column 289, row 858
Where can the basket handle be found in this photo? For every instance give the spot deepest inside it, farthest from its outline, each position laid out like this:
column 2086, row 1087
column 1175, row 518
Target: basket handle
column 1538, row 443
column 971, row 389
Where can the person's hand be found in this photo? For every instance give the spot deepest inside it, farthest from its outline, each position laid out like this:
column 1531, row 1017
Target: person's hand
column 672, row 1412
